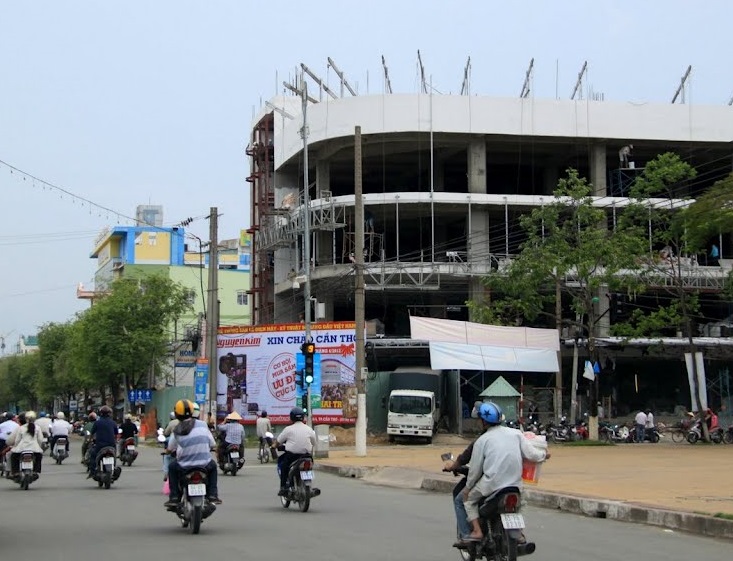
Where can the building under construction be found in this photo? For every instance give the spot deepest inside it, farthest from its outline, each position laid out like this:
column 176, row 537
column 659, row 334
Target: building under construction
column 446, row 179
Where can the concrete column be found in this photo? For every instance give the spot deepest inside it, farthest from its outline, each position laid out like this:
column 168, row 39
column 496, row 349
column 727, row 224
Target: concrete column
column 598, row 173
column 323, row 176
column 477, row 166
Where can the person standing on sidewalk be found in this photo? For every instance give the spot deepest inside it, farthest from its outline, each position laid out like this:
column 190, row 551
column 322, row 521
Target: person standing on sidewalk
column 640, row 422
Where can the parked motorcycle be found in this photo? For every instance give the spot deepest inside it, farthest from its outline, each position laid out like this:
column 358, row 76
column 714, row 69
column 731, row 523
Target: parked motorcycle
column 59, row 452
column 28, row 473
column 230, row 460
column 728, row 436
column 128, row 451
column 107, row 470
column 501, row 523
column 300, row 484
column 193, row 507
column 613, row 433
column 650, row 435
column 717, row 434
column 562, row 432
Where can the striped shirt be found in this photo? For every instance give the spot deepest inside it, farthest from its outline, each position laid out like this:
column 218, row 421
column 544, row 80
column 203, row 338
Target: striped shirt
column 234, row 433
column 192, row 449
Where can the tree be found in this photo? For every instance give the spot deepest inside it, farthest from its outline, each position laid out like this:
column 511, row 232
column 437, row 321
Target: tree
column 18, row 375
column 681, row 228
column 58, row 375
column 122, row 338
column 569, row 250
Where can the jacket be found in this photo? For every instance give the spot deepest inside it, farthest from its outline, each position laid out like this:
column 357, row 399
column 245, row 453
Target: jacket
column 21, row 440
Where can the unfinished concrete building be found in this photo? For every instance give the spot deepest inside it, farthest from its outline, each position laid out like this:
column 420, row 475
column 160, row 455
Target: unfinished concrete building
column 445, row 180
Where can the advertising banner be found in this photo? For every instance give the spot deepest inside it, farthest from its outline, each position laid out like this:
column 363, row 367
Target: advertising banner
column 256, row 371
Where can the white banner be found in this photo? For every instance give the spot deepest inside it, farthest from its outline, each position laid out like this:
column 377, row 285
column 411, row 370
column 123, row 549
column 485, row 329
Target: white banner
column 701, row 381
column 256, row 371
column 458, row 356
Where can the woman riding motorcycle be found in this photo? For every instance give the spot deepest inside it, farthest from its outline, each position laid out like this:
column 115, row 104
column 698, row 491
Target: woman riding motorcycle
column 26, row 438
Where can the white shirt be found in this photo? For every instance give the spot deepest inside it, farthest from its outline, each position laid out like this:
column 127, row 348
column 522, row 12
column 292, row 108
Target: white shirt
column 60, row 427
column 298, row 438
column 640, row 418
column 649, row 421
column 44, row 423
column 263, row 426
column 7, row 428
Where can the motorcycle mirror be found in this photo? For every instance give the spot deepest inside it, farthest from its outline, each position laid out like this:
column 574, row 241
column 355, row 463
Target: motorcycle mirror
column 447, row 457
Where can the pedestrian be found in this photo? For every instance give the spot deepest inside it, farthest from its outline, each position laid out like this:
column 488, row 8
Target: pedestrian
column 623, row 155
column 601, row 412
column 714, row 255
column 640, row 422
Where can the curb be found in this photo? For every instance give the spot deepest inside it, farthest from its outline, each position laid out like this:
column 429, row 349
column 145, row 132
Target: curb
column 692, row 523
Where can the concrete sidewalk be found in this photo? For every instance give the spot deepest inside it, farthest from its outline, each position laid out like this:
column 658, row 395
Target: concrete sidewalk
column 675, row 486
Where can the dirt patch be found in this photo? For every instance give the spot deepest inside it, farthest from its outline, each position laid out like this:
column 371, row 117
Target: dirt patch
column 343, row 436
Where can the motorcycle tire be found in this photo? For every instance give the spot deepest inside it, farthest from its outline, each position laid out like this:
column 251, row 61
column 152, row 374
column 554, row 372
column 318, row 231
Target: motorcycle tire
column 107, row 483
column 304, row 501
column 716, row 437
column 24, row 483
column 234, row 471
column 285, row 501
column 196, row 515
column 655, row 438
column 506, row 546
column 692, row 437
column 728, row 437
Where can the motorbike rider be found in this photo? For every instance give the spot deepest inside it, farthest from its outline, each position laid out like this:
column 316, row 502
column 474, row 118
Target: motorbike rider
column 44, row 423
column 496, row 463
column 91, row 419
column 60, row 427
column 299, row 440
column 26, row 438
column 104, row 432
column 171, row 425
column 192, row 442
column 264, row 426
column 231, row 432
column 128, row 430
column 6, row 428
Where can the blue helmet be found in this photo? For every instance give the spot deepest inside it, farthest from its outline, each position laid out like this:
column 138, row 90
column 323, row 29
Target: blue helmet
column 491, row 413
column 42, row 414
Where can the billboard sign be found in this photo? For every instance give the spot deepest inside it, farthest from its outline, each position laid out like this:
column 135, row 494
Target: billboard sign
column 256, row 370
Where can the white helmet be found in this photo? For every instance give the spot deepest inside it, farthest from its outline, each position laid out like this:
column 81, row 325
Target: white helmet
column 172, row 415
column 196, row 411
column 60, row 415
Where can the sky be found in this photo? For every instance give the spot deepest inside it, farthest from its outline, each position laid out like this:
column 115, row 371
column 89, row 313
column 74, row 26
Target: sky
column 142, row 102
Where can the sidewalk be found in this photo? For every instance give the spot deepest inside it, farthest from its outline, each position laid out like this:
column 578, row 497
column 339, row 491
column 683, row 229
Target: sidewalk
column 638, row 477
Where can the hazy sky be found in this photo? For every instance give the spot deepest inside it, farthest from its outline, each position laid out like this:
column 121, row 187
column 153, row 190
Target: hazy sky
column 150, row 101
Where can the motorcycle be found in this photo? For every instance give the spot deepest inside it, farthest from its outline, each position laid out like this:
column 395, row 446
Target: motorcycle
column 650, row 435
column 717, row 434
column 193, row 507
column 44, row 444
column 501, row 523
column 230, row 460
column 27, row 474
column 562, row 432
column 5, row 462
column 614, row 433
column 59, row 452
column 107, row 470
column 128, row 451
column 728, row 436
column 300, row 484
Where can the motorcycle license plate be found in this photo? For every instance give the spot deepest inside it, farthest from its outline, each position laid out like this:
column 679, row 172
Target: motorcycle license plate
column 196, row 489
column 306, row 475
column 512, row 521
column 130, row 448
column 108, row 461
column 26, row 465
column 234, row 455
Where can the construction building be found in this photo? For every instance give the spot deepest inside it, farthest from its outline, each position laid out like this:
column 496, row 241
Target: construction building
column 446, row 179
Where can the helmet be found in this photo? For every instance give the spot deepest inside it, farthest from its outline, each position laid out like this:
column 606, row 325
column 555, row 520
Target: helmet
column 196, row 410
column 183, row 409
column 128, row 417
column 42, row 414
column 92, row 416
column 30, row 416
column 296, row 414
column 105, row 411
column 172, row 415
column 60, row 415
column 263, row 414
column 491, row 413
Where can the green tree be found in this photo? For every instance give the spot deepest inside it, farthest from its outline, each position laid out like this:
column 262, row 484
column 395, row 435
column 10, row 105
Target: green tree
column 570, row 250
column 18, row 375
column 58, row 375
column 126, row 333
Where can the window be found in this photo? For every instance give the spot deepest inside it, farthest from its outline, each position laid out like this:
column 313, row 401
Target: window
column 242, row 298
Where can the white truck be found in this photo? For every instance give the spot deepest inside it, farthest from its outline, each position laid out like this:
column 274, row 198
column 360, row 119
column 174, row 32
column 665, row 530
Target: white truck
column 414, row 403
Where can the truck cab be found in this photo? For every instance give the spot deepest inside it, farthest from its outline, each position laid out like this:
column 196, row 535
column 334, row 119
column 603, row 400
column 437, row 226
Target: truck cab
column 414, row 403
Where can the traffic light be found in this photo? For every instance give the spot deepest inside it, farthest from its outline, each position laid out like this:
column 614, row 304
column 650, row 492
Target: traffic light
column 308, row 350
column 299, row 379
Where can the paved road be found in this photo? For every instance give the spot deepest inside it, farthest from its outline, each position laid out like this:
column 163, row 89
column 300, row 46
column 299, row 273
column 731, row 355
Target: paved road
column 64, row 517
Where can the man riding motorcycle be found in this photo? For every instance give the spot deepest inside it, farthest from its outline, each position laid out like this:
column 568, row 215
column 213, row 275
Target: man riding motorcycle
column 496, row 463
column 264, row 426
column 192, row 442
column 104, row 432
column 60, row 427
column 91, row 419
column 128, row 430
column 299, row 440
column 231, row 432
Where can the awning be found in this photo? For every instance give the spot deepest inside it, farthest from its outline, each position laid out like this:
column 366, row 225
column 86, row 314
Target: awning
column 460, row 356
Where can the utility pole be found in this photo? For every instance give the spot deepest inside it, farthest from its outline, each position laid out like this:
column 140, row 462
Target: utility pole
column 361, row 419
column 306, row 241
column 212, row 312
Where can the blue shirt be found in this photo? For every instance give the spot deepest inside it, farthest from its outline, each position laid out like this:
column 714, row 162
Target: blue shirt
column 193, row 449
column 104, row 431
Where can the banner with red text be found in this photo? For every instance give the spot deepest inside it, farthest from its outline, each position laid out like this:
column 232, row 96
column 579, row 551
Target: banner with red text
column 256, row 371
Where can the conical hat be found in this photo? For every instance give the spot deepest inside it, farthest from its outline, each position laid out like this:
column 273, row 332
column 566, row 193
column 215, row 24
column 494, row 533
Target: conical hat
column 233, row 416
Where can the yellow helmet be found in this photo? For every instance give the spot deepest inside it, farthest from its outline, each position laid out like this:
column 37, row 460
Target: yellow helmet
column 183, row 409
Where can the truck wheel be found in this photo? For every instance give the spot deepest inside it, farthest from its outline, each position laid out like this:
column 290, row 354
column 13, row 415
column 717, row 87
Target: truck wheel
column 430, row 439
column 390, row 438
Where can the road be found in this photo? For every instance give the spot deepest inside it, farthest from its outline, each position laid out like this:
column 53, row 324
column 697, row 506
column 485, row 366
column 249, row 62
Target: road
column 64, row 517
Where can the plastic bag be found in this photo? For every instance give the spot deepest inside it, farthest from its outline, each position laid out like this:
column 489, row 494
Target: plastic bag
column 166, row 488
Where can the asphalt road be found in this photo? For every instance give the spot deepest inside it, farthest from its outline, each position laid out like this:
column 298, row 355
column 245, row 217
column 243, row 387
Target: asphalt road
column 64, row 517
